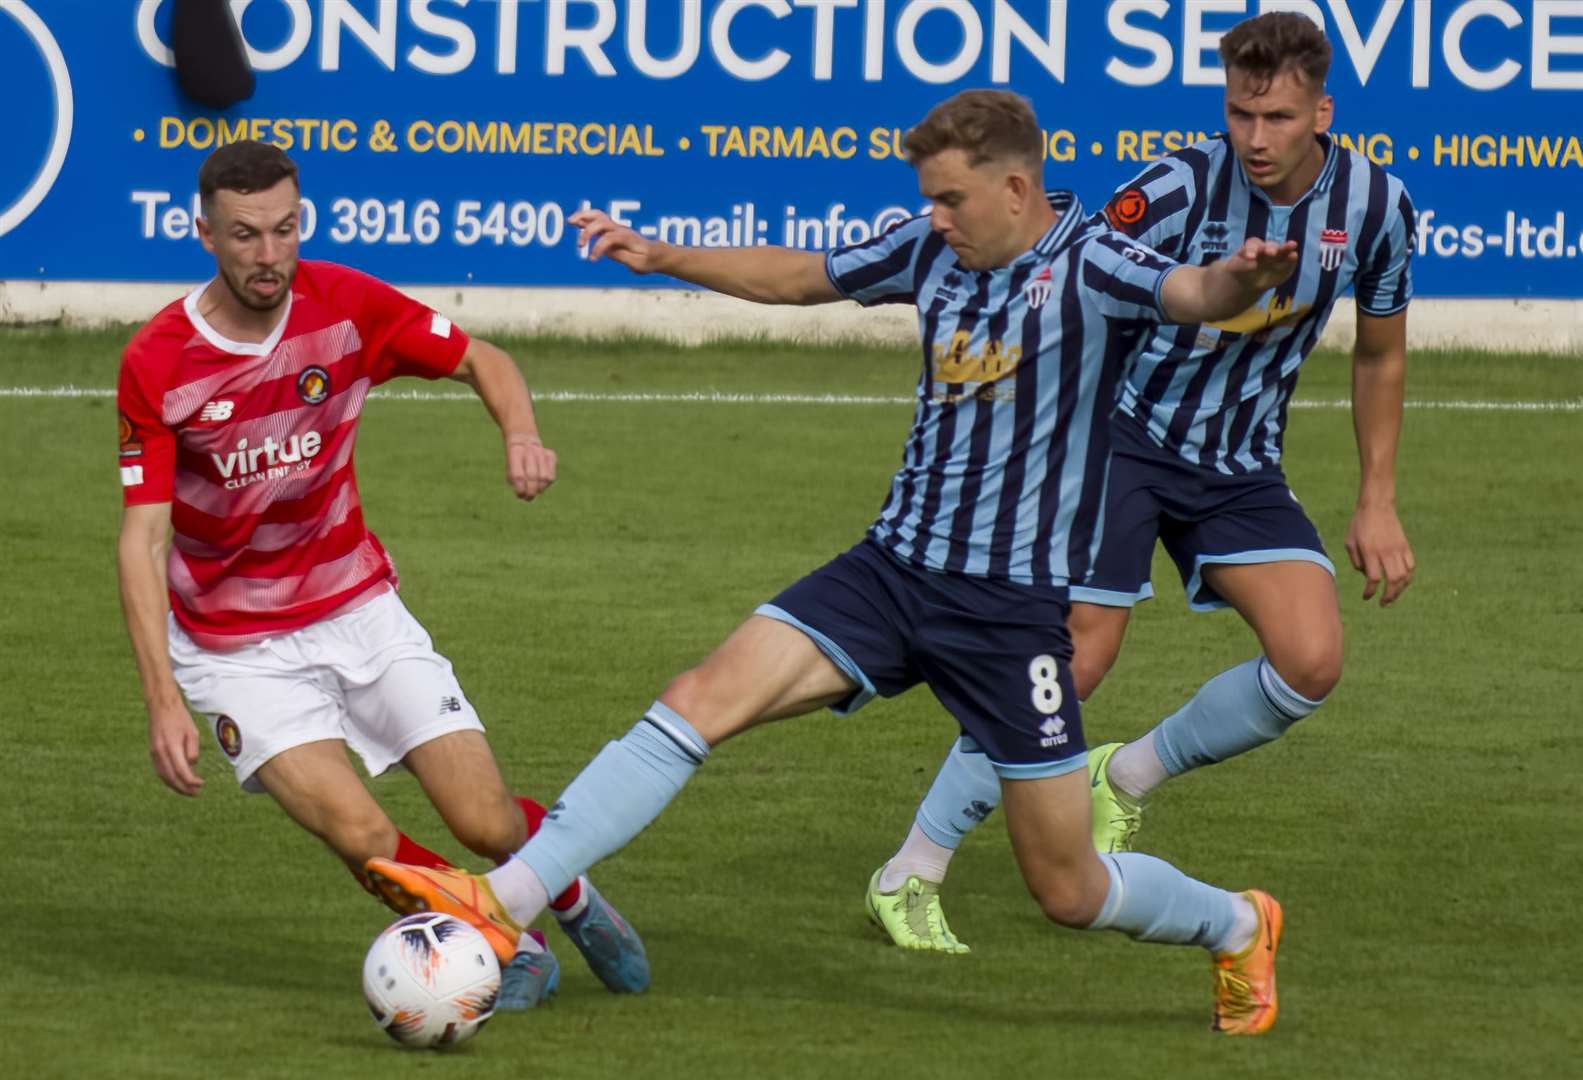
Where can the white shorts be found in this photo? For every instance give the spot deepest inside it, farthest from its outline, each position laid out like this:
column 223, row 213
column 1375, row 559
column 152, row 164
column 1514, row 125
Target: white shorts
column 369, row 678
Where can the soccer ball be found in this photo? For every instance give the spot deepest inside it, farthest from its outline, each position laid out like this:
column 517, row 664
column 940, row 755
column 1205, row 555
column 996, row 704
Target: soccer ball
column 430, row 980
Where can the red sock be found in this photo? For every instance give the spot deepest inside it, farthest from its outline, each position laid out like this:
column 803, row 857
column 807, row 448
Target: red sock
column 533, row 814
column 413, row 853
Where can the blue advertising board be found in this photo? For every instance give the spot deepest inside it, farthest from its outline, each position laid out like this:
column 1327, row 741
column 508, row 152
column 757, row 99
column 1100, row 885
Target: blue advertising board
column 446, row 141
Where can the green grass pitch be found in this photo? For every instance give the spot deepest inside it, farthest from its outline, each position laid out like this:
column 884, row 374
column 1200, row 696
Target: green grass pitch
column 1424, row 830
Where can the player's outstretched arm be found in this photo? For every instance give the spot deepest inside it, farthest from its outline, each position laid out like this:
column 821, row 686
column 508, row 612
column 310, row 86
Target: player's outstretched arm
column 140, row 559
column 766, row 275
column 494, row 377
column 1376, row 542
column 1194, row 294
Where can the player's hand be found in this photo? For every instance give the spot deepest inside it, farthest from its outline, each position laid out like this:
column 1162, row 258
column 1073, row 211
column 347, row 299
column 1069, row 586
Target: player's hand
column 530, row 467
column 1262, row 264
column 608, row 238
column 1377, row 545
column 173, row 744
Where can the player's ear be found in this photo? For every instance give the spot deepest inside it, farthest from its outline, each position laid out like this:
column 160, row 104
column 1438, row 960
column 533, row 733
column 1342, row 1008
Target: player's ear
column 205, row 231
column 1018, row 189
column 1325, row 114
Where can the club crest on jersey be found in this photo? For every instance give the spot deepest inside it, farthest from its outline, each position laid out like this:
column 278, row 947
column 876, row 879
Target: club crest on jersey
column 1215, row 238
column 130, row 447
column 313, row 385
column 1332, row 248
column 229, row 734
column 1037, row 291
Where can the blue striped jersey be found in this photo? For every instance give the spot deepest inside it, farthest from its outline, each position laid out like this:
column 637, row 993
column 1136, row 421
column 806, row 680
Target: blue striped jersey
column 1003, row 473
column 1217, row 394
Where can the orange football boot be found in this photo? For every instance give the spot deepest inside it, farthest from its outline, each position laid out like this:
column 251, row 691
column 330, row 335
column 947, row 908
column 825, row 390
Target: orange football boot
column 413, row 889
column 1245, row 1001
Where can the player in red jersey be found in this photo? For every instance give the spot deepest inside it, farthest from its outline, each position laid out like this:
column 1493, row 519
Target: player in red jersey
column 250, row 583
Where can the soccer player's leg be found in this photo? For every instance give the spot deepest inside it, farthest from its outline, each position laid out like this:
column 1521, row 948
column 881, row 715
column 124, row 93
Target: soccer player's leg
column 318, row 788
column 1256, row 551
column 458, row 772
column 1098, row 627
column 1141, row 478
column 781, row 662
column 903, row 895
column 1143, row 897
column 282, row 731
column 1034, row 739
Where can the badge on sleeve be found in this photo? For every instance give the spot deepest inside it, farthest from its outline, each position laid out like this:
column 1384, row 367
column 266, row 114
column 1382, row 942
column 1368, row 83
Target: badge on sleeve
column 1127, row 210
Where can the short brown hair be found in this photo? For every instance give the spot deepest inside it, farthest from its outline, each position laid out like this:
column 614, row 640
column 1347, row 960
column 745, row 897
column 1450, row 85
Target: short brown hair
column 245, row 166
column 987, row 124
column 1264, row 46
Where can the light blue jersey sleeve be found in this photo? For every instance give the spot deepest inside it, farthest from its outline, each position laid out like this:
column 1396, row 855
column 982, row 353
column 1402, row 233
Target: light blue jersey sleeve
column 881, row 270
column 1123, row 279
column 1385, row 281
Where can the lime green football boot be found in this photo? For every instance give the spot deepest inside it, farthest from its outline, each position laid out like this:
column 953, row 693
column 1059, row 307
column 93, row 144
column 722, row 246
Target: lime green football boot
column 912, row 916
column 1116, row 817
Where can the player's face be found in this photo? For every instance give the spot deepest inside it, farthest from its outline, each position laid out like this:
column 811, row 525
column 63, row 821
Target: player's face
column 1273, row 131
column 254, row 241
column 974, row 207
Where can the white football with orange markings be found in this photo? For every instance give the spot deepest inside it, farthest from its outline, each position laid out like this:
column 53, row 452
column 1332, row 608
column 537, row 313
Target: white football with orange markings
column 430, row 980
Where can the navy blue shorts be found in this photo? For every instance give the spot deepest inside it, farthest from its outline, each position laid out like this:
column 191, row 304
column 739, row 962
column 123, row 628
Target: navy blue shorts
column 996, row 654
column 1202, row 516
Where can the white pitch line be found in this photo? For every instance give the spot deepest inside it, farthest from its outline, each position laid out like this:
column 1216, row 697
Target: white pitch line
column 715, row 397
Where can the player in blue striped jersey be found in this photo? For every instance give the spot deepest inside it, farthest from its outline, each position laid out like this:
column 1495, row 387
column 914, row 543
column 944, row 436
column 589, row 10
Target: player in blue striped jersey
column 1026, row 312
column 1197, row 445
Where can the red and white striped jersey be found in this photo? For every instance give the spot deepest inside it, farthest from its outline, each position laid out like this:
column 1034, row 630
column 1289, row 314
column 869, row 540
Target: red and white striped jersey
column 251, row 444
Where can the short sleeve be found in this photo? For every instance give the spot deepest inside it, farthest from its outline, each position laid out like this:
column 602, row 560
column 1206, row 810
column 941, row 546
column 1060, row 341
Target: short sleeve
column 1124, row 279
column 1153, row 207
column 881, row 270
column 1385, row 281
column 402, row 336
column 147, row 447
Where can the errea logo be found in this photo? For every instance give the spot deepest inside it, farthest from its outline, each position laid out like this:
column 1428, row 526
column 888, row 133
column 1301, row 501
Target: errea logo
column 216, row 410
column 1054, row 731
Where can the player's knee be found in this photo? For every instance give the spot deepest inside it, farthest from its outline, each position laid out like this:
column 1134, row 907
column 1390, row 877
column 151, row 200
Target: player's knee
column 688, row 692
column 703, row 700
column 1312, row 670
column 356, row 839
column 1089, row 670
column 1066, row 901
column 494, row 835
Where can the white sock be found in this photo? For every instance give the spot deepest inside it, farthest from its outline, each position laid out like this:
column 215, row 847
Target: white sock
column 519, row 889
column 1245, row 928
column 578, row 908
column 918, row 856
column 1135, row 769
column 528, row 943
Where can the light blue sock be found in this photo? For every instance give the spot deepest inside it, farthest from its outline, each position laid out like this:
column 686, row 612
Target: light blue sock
column 1151, row 900
column 965, row 792
column 612, row 800
column 1247, row 706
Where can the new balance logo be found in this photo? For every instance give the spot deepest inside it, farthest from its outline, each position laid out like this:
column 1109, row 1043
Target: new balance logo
column 977, row 810
column 449, row 704
column 1054, row 732
column 216, row 410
